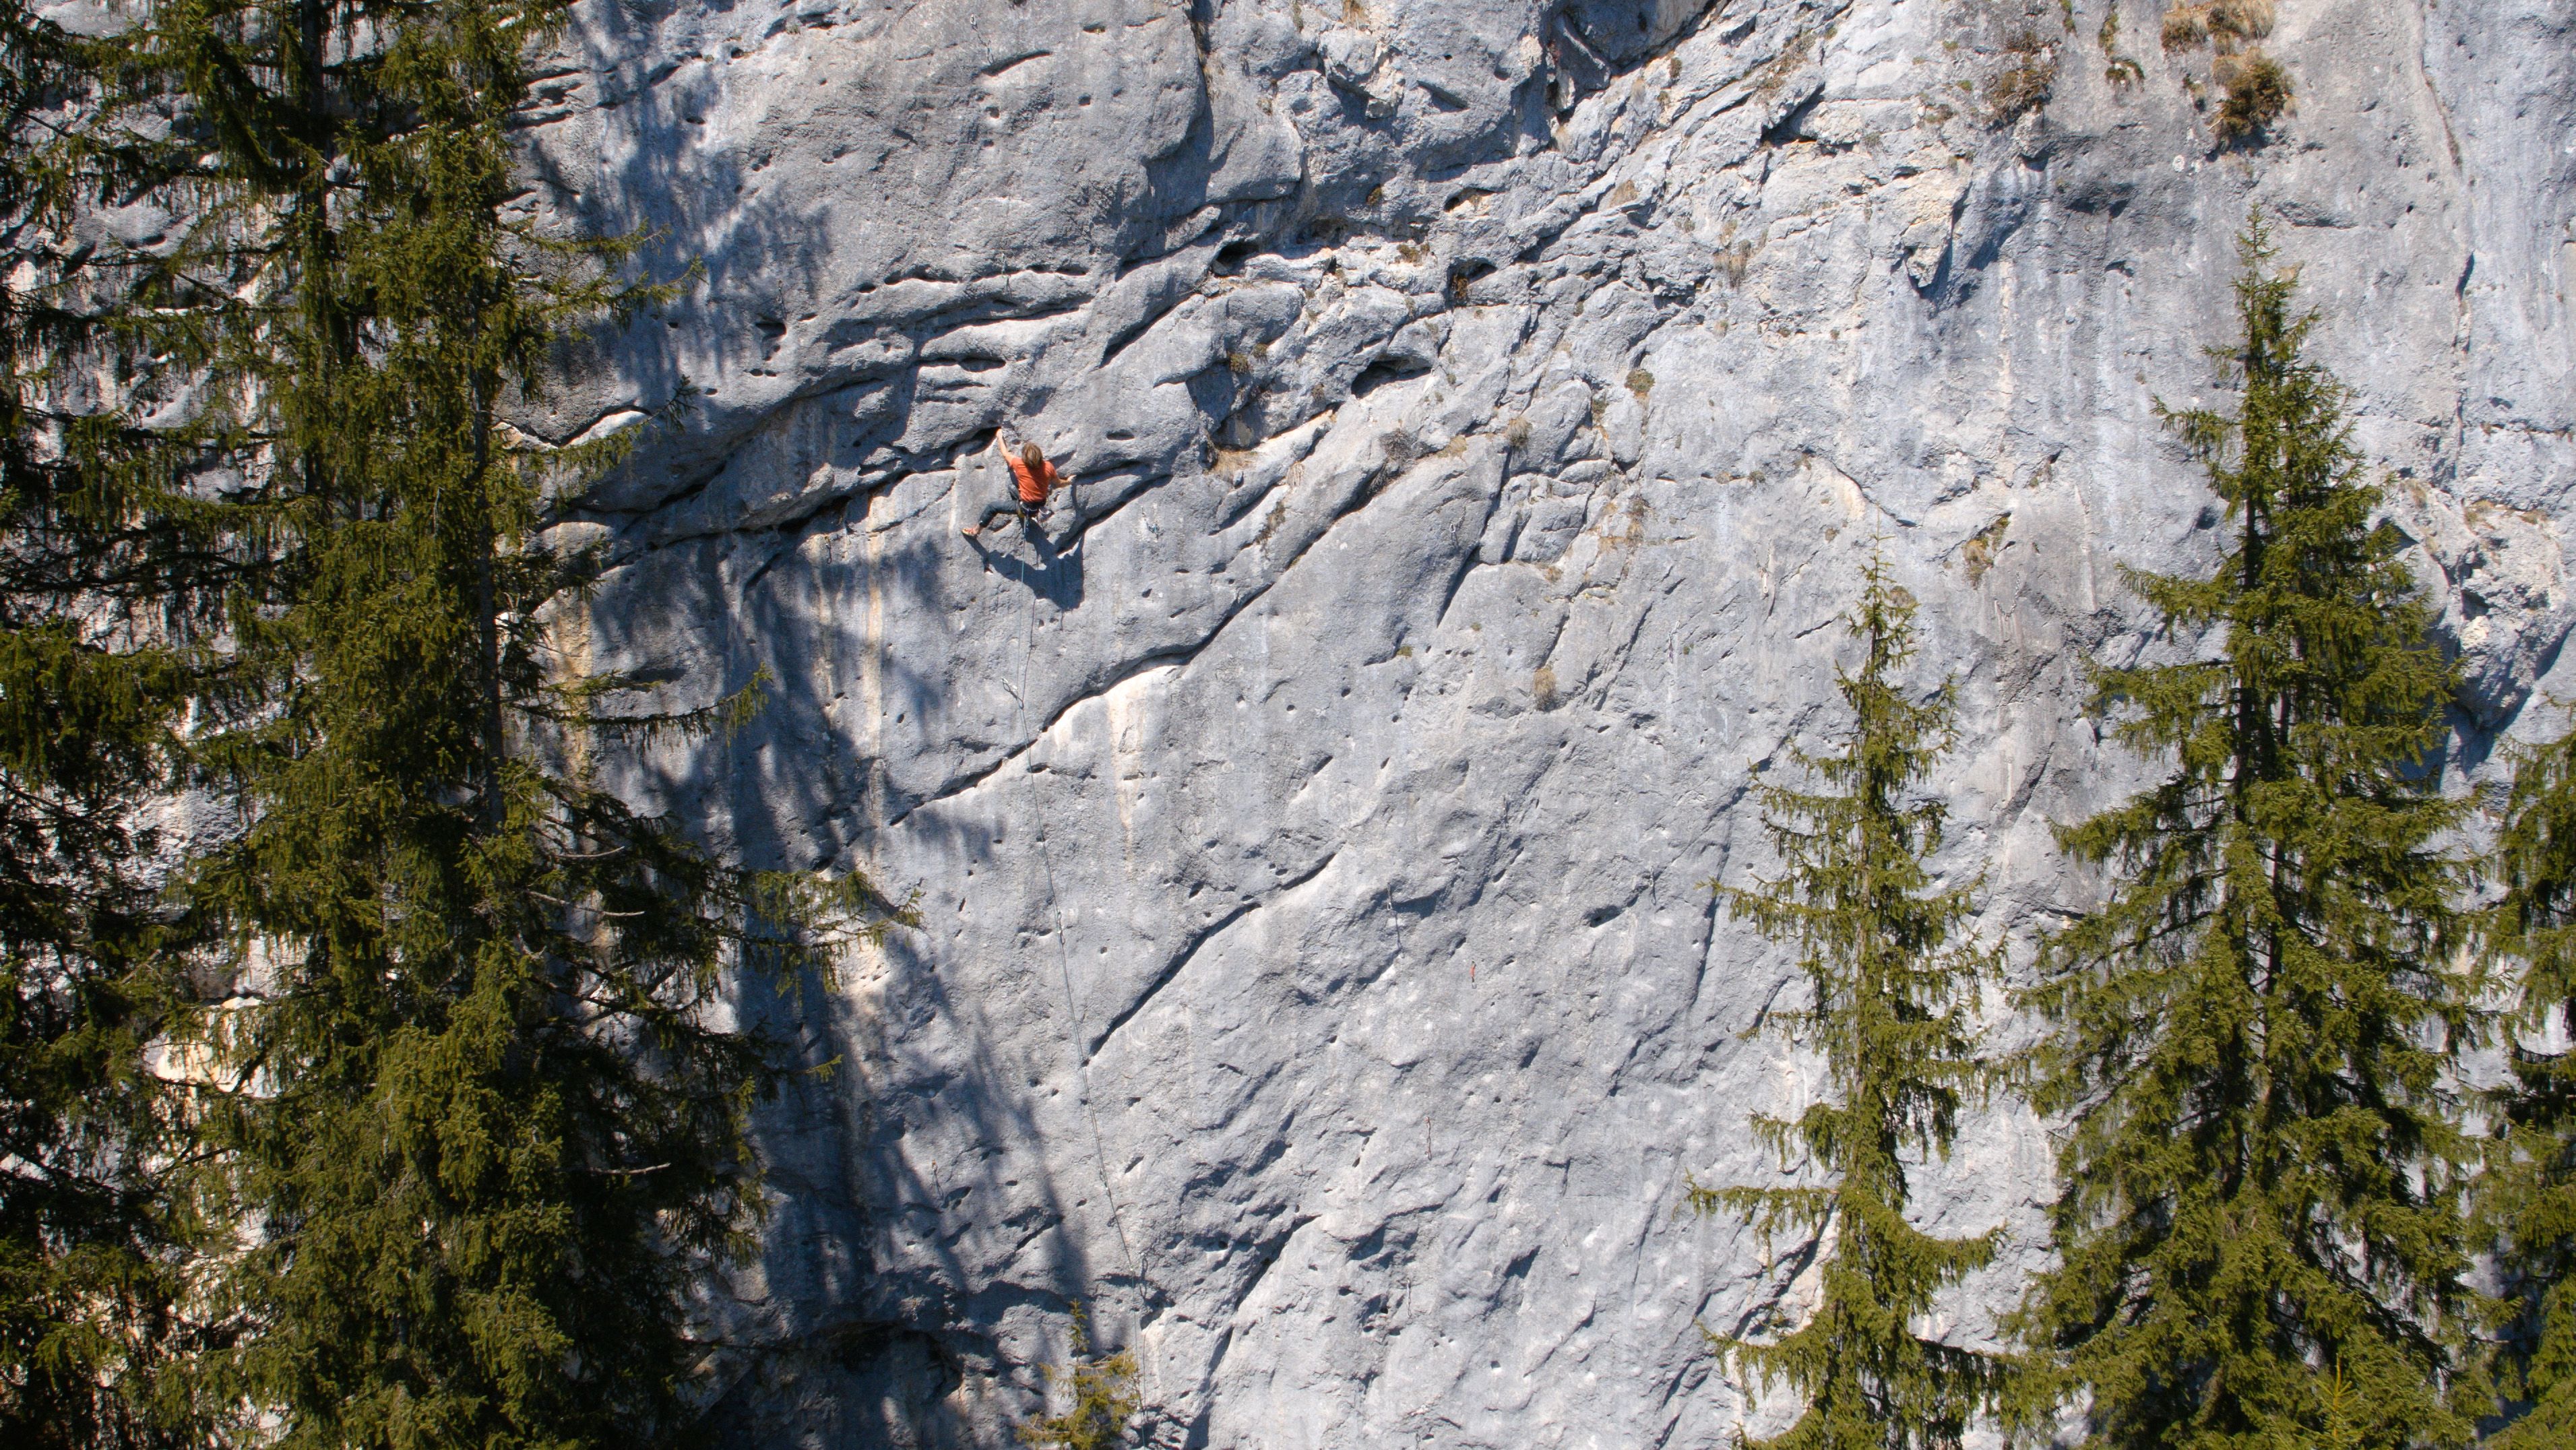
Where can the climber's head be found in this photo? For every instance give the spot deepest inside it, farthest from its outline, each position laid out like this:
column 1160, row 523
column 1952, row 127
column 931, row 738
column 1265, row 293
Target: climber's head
column 1030, row 455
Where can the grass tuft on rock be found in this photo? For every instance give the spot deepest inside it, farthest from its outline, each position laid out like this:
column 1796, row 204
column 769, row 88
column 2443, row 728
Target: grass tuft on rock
column 2258, row 92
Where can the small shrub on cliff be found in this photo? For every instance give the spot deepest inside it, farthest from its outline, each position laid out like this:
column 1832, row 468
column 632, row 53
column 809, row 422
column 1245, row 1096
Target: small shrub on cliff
column 2241, row 19
column 1103, row 1393
column 2118, row 69
column 2223, row 23
column 2024, row 84
column 2257, row 88
column 1978, row 554
column 2258, row 91
column 2185, row 26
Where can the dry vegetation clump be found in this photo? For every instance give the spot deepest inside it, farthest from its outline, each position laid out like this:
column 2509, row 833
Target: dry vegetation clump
column 2024, row 84
column 2258, row 91
column 1978, row 554
column 2118, row 69
column 2219, row 21
column 2257, row 87
column 2243, row 19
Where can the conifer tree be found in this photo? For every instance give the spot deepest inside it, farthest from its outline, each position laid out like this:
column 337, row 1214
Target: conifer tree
column 1895, row 979
column 2528, row 1198
column 103, row 574
column 2259, row 1209
column 88, row 1229
column 472, row 1122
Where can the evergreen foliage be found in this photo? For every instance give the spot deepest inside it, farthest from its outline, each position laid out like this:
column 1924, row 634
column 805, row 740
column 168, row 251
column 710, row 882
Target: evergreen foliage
column 2260, row 1206
column 1102, row 1391
column 103, row 572
column 1895, row 986
column 467, row 1126
column 2528, row 1199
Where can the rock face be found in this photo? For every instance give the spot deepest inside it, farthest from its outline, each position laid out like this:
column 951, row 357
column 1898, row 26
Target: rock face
column 1482, row 408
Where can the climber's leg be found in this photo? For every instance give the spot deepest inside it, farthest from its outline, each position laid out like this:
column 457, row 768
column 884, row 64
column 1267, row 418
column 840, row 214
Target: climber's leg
column 1007, row 508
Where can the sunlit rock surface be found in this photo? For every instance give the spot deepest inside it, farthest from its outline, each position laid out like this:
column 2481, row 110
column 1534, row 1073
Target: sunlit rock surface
column 1483, row 410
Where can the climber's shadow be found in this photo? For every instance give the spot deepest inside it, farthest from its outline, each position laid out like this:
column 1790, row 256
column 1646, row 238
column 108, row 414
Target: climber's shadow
column 1048, row 562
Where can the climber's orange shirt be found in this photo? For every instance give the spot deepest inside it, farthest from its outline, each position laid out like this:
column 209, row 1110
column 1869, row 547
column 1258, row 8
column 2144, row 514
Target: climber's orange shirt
column 1034, row 488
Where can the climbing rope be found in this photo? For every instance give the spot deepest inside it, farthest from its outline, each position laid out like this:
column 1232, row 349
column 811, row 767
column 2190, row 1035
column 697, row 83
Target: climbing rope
column 1072, row 1013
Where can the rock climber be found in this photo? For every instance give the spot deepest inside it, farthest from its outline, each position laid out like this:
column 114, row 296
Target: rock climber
column 1037, row 481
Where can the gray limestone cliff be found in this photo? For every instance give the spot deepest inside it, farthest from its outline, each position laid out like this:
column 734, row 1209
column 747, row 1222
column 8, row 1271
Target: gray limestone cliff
column 1481, row 408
